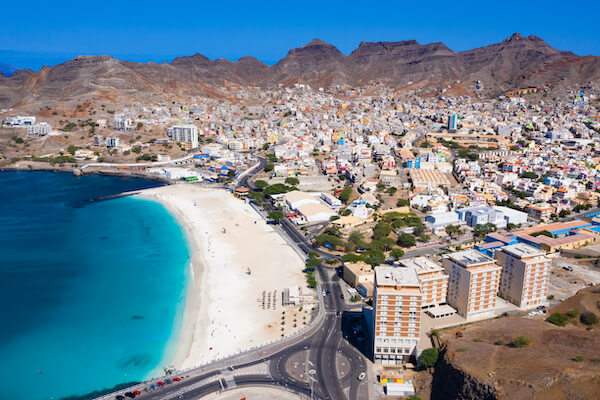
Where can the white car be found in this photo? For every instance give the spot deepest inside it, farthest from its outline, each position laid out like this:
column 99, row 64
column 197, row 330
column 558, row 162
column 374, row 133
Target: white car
column 361, row 376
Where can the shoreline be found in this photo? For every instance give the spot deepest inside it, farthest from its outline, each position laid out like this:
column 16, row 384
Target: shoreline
column 102, row 172
column 223, row 313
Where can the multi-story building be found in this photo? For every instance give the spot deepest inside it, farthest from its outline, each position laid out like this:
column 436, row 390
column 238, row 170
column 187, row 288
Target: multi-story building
column 112, row 142
column 397, row 301
column 98, row 140
column 525, row 275
column 473, row 284
column 433, row 280
column 540, row 212
column 41, row 129
column 186, row 134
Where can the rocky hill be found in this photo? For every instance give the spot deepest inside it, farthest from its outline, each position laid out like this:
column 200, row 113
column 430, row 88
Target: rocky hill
column 559, row 363
column 512, row 63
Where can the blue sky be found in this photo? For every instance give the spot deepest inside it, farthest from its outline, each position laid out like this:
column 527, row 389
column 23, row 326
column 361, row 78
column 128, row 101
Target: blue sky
column 39, row 33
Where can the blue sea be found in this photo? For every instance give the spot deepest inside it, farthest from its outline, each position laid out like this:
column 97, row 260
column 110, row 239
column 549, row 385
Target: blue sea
column 91, row 292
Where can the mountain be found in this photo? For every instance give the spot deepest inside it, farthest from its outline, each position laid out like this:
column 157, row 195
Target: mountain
column 515, row 62
column 7, row 70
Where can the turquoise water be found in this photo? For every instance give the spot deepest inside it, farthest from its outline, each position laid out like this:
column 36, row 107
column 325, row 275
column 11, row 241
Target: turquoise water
column 91, row 293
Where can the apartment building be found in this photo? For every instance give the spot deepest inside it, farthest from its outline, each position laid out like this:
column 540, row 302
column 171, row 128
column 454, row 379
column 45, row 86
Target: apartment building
column 473, row 284
column 525, row 275
column 397, row 301
column 540, row 212
column 41, row 129
column 186, row 134
column 433, row 280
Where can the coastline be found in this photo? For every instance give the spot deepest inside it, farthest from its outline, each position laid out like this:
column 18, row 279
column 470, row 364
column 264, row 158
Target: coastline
column 223, row 313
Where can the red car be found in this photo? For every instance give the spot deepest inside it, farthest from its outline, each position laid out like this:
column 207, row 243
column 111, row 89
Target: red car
column 176, row 379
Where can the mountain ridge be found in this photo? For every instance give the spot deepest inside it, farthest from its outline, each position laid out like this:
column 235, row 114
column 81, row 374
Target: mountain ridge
column 516, row 61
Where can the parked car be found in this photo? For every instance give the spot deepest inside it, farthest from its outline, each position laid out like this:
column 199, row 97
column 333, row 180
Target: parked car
column 361, row 376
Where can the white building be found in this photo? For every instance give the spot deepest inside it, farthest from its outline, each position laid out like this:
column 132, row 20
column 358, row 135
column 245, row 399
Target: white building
column 122, row 124
column 186, row 134
column 19, row 121
column 112, row 142
column 41, row 129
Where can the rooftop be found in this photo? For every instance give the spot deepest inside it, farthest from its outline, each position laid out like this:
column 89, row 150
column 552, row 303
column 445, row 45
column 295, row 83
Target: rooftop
column 522, row 250
column 470, row 258
column 421, row 265
column 396, row 276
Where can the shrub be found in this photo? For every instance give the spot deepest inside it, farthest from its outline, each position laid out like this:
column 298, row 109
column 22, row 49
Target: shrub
column 478, row 339
column 434, row 332
column 579, row 359
column 572, row 313
column 551, row 297
column 500, row 342
column 588, row 318
column 413, row 397
column 429, row 357
column 521, row 341
column 557, row 319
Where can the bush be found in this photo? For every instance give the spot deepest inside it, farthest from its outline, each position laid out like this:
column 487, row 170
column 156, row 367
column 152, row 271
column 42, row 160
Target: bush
column 588, row 318
column 402, row 203
column 557, row 319
column 551, row 297
column 500, row 342
column 572, row 313
column 521, row 341
column 429, row 357
column 269, row 167
column 413, row 397
column 579, row 358
column 434, row 332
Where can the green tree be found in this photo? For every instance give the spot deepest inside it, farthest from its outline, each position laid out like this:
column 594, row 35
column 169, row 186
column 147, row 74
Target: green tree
column 418, row 230
column 402, row 203
column 345, row 194
column 139, row 125
column 260, row 184
column 452, row 230
column 429, row 357
column 72, row 149
column 397, row 253
column 136, row 149
column 277, row 188
column 292, row 181
column 269, row 167
column 351, row 257
column 276, row 215
column 381, row 230
column 406, row 240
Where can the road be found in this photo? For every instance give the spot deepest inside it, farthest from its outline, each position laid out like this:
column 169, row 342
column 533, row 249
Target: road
column 319, row 361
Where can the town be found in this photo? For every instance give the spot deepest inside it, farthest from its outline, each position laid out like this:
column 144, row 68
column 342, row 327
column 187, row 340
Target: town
column 438, row 210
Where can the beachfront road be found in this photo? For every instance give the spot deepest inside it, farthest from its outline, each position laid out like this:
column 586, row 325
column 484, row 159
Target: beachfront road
column 318, row 363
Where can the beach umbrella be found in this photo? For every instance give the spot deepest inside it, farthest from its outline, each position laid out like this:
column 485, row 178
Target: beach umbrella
column 160, row 383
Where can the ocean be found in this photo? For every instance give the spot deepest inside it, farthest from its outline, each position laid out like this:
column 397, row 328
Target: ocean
column 91, row 292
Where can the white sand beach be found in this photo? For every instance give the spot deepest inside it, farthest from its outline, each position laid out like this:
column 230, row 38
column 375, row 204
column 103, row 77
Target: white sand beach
column 224, row 312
